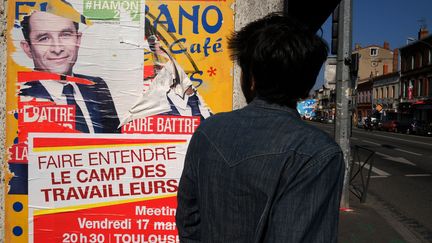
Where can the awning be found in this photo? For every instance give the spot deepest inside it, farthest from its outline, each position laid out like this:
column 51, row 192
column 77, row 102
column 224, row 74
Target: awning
column 423, row 107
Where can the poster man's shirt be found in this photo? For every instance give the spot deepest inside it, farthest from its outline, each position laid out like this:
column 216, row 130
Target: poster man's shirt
column 162, row 98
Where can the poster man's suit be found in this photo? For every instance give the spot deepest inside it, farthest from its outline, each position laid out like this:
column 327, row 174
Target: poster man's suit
column 97, row 99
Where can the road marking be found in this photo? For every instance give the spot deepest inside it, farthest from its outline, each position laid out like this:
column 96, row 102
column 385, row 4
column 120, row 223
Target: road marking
column 418, row 175
column 374, row 169
column 410, row 141
column 378, row 176
column 366, row 141
column 409, row 152
column 353, row 138
column 396, row 159
column 378, row 135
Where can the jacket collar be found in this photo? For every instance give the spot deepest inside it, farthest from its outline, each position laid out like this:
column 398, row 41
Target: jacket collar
column 259, row 102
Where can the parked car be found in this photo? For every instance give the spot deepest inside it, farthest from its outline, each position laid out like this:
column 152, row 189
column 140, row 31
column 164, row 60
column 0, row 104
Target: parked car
column 414, row 127
column 321, row 119
column 396, row 126
column 389, row 125
column 315, row 118
column 420, row 128
column 328, row 120
column 426, row 129
column 403, row 126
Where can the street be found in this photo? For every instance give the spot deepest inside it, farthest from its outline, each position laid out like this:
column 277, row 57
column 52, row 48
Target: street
column 401, row 176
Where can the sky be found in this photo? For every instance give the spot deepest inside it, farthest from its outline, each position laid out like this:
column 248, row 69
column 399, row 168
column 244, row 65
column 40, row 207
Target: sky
column 376, row 21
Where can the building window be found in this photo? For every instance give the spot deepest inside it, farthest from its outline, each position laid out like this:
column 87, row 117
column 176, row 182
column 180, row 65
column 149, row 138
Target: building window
column 412, row 62
column 382, row 93
column 393, row 92
column 387, row 92
column 430, row 87
column 374, row 52
column 404, row 89
column 420, row 64
column 430, row 57
column 411, row 87
column 420, row 87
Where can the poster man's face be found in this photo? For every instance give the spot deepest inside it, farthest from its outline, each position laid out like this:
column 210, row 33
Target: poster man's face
column 54, row 43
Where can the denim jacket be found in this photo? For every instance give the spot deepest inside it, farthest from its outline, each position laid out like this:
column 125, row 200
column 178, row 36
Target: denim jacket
column 260, row 174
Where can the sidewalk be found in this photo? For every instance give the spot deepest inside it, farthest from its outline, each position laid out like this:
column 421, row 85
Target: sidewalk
column 365, row 225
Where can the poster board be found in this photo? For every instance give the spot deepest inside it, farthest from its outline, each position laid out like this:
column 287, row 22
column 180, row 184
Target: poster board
column 135, row 76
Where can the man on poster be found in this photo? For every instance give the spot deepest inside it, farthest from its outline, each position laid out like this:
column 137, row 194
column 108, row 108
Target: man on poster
column 170, row 89
column 52, row 42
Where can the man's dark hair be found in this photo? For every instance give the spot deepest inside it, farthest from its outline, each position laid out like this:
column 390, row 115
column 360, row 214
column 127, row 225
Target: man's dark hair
column 282, row 56
column 25, row 27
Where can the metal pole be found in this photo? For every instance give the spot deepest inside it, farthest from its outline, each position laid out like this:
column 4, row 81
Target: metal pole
column 343, row 92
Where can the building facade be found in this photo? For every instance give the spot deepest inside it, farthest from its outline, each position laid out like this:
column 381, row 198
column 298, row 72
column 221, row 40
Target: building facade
column 416, row 78
column 374, row 60
column 385, row 94
column 364, row 99
column 326, row 102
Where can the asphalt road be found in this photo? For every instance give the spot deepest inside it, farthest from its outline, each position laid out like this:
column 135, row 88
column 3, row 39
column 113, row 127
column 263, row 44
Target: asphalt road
column 401, row 175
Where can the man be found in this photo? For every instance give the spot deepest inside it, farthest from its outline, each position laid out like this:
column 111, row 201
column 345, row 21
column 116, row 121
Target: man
column 52, row 42
column 168, row 89
column 261, row 174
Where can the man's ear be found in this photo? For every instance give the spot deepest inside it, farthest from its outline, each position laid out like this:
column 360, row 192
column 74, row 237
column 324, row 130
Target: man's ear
column 248, row 87
column 252, row 86
column 26, row 48
column 244, row 81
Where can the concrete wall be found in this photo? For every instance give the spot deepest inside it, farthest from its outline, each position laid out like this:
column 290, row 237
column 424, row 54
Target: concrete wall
column 245, row 12
column 3, row 7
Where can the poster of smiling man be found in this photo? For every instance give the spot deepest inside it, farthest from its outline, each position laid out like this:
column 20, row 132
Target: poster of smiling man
column 102, row 99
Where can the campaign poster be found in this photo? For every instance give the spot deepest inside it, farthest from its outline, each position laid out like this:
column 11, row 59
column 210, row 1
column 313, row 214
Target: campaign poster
column 307, row 108
column 102, row 99
column 104, row 188
column 187, row 67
